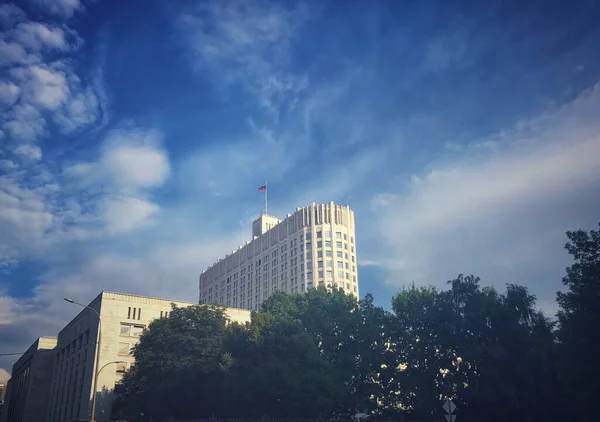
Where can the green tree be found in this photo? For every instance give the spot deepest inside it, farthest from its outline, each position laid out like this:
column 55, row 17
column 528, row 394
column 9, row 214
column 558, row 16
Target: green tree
column 349, row 334
column 507, row 351
column 180, row 362
column 491, row 353
column 421, row 366
column 279, row 371
column 579, row 322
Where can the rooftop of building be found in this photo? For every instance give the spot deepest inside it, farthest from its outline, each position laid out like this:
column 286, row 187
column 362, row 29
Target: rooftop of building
column 272, row 228
column 145, row 297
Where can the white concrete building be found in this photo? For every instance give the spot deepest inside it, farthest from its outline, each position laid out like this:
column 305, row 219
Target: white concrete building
column 314, row 246
column 123, row 317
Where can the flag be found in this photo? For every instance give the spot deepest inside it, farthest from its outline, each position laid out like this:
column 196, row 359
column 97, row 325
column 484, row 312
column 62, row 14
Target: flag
column 263, row 187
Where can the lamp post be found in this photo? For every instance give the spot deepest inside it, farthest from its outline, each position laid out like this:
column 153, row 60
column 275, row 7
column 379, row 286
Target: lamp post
column 95, row 386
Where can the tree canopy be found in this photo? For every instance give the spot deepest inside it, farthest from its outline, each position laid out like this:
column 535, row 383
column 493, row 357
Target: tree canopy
column 323, row 354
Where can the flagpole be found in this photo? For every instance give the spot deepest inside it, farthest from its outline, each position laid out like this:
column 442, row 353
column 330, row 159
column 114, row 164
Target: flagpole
column 266, row 189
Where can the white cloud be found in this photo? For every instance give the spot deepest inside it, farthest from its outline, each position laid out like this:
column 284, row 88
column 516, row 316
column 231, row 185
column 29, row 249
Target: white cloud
column 14, row 53
column 61, row 8
column 122, row 214
column 136, row 166
column 37, row 82
column 7, row 165
column 501, row 215
column 78, row 170
column 81, row 110
column 24, row 219
column 37, row 36
column 9, row 93
column 32, row 152
column 24, row 123
column 43, row 86
column 10, row 15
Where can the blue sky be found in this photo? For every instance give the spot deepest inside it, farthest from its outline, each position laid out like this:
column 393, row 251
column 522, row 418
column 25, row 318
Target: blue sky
column 133, row 137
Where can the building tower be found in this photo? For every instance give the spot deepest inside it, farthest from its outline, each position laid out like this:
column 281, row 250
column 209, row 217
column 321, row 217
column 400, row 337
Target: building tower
column 314, row 246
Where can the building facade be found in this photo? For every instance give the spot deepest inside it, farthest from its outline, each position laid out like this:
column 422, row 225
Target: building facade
column 315, row 246
column 28, row 389
column 123, row 318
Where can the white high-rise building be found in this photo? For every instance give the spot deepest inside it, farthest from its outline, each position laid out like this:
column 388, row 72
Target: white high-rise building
column 314, row 246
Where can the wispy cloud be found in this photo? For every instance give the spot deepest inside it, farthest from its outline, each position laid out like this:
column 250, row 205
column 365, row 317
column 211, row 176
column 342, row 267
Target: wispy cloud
column 248, row 45
column 501, row 214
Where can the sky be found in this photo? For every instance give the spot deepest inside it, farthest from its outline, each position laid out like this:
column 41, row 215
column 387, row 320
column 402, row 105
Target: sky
column 465, row 135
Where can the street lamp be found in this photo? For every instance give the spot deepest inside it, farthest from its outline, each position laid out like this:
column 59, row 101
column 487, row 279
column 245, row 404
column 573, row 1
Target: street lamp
column 95, row 387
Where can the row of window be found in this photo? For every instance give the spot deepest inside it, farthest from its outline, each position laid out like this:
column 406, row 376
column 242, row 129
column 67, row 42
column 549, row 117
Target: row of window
column 134, row 313
column 327, row 234
column 241, row 301
column 130, row 330
column 329, row 264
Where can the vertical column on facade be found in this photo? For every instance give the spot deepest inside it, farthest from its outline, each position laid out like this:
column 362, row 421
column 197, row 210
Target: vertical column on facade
column 331, row 227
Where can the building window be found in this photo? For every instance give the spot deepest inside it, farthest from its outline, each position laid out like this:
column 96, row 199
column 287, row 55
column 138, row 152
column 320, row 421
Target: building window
column 137, row 330
column 347, row 276
column 351, row 239
column 134, row 313
column 328, row 254
column 121, row 368
column 319, row 254
column 328, row 243
column 340, row 274
column 123, row 349
column 352, row 249
column 129, row 313
column 329, row 264
column 307, row 235
column 125, row 330
column 319, row 234
column 308, row 245
column 320, row 264
column 309, row 275
column 329, row 274
column 352, row 258
column 308, row 264
column 139, row 313
column 340, row 264
column 338, row 235
column 339, row 254
column 338, row 245
column 319, row 244
column 320, row 274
